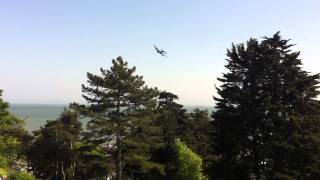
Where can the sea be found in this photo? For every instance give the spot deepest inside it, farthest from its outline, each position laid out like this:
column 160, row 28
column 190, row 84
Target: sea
column 36, row 115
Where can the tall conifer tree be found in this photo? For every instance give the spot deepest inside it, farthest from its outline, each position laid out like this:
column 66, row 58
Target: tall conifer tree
column 121, row 107
column 267, row 118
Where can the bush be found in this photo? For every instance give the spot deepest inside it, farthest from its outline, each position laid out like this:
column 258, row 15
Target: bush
column 21, row 176
column 3, row 172
column 188, row 163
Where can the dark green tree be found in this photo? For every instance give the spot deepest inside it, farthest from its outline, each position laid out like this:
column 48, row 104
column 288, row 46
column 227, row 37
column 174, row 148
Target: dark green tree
column 13, row 138
column 91, row 161
column 121, row 108
column 52, row 153
column 267, row 118
column 173, row 117
column 172, row 121
column 198, row 137
column 139, row 147
column 193, row 128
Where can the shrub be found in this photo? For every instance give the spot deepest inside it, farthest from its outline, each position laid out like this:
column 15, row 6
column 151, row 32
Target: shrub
column 188, row 163
column 21, row 176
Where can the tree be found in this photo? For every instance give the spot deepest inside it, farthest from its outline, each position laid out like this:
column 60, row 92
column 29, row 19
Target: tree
column 192, row 128
column 172, row 122
column 172, row 119
column 13, row 136
column 188, row 164
column 91, row 161
column 51, row 154
column 120, row 108
column 267, row 118
column 140, row 145
column 197, row 136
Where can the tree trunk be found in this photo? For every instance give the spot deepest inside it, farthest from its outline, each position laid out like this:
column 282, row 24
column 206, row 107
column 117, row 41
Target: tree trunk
column 118, row 143
column 73, row 170
column 119, row 164
column 62, row 171
column 56, row 169
column 73, row 164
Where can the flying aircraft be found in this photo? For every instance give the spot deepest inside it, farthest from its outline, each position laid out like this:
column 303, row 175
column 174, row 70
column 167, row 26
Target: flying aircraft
column 161, row 52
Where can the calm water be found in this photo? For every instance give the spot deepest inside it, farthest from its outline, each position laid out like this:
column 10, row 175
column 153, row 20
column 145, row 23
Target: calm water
column 37, row 115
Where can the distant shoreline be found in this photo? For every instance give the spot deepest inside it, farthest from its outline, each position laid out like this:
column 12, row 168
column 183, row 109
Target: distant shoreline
column 48, row 104
column 30, row 104
column 37, row 115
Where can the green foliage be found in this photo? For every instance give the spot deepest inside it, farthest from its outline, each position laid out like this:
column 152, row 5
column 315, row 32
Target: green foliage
column 9, row 148
column 3, row 172
column 197, row 136
column 57, row 151
column 51, row 155
column 192, row 128
column 188, row 163
column 9, row 124
column 13, row 137
column 21, row 176
column 267, row 118
column 91, row 161
column 3, row 161
column 172, row 117
column 139, row 146
column 122, row 113
column 267, row 126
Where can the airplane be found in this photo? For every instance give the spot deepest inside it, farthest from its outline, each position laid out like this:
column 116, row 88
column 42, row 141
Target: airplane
column 161, row 52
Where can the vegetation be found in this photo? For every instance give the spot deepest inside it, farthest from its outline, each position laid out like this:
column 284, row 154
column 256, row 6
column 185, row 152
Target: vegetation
column 13, row 140
column 21, row 176
column 52, row 154
column 122, row 111
column 265, row 126
column 267, row 118
column 188, row 164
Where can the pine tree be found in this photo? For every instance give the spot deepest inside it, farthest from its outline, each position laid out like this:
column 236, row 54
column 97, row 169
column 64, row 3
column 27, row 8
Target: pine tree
column 266, row 119
column 120, row 108
column 13, row 137
column 91, row 161
column 171, row 120
column 198, row 137
column 52, row 154
column 144, row 139
column 173, row 117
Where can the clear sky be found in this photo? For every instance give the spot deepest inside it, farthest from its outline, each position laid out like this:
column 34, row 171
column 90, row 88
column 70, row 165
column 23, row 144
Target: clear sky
column 46, row 47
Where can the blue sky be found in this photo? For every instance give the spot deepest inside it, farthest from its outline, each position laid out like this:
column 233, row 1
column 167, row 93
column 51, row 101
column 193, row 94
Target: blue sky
column 46, row 47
